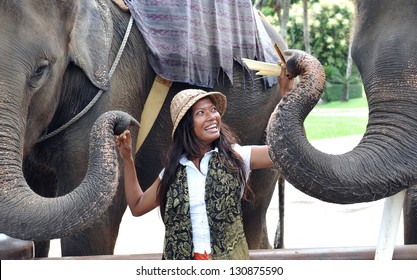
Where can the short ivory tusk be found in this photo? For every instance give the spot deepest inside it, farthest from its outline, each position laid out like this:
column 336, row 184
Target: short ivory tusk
column 389, row 226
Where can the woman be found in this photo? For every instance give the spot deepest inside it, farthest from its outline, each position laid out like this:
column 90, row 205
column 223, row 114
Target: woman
column 203, row 181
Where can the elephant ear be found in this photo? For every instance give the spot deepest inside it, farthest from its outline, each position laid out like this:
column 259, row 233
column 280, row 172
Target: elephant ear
column 90, row 41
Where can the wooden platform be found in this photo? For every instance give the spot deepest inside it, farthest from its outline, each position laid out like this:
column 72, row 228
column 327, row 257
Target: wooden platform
column 403, row 252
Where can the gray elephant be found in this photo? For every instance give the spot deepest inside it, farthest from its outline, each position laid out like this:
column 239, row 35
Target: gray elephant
column 384, row 48
column 55, row 57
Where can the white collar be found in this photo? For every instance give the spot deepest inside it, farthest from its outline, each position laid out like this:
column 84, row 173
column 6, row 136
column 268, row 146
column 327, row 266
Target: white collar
column 185, row 161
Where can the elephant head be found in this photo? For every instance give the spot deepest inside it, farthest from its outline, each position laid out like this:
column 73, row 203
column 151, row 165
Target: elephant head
column 385, row 160
column 28, row 91
column 28, row 100
column 22, row 211
column 379, row 166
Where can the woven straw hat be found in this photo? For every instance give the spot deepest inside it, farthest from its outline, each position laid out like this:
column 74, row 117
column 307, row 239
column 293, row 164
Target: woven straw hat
column 184, row 99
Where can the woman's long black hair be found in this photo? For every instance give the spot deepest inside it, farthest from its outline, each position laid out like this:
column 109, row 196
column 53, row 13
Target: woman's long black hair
column 185, row 142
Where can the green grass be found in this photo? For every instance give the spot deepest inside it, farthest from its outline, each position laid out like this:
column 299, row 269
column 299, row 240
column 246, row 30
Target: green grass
column 352, row 103
column 321, row 127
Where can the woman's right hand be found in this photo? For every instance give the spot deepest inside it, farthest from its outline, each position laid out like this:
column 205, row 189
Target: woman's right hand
column 124, row 144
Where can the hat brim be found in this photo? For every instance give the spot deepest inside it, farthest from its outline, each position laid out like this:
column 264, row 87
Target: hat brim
column 220, row 101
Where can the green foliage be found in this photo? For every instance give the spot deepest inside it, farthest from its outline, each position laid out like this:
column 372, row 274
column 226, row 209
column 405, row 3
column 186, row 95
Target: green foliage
column 336, row 82
column 329, row 26
column 336, row 77
column 334, row 92
column 269, row 12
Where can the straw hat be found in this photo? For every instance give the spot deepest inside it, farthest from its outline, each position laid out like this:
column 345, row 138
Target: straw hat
column 184, row 99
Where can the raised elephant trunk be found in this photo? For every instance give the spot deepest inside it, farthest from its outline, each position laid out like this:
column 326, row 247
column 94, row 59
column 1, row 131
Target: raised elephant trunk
column 22, row 208
column 361, row 175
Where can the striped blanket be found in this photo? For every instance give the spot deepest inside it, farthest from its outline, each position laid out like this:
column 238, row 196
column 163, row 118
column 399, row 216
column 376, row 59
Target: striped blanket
column 196, row 41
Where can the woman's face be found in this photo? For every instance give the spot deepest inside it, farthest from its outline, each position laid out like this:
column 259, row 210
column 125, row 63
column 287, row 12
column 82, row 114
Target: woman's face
column 207, row 120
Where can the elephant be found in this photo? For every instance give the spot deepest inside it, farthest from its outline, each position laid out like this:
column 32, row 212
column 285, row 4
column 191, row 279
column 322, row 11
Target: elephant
column 385, row 160
column 56, row 58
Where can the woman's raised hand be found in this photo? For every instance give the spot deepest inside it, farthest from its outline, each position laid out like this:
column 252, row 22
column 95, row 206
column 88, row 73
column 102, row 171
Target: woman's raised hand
column 286, row 81
column 124, row 144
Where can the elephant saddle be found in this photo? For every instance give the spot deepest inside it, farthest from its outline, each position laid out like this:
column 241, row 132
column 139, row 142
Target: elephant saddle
column 197, row 42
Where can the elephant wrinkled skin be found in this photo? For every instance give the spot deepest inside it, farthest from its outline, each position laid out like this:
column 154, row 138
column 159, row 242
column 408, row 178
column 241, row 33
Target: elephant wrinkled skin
column 55, row 56
column 384, row 48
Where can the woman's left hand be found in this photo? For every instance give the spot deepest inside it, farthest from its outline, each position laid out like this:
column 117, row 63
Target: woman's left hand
column 286, row 81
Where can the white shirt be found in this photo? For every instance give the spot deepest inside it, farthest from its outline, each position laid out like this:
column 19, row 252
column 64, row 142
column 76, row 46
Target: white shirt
column 196, row 180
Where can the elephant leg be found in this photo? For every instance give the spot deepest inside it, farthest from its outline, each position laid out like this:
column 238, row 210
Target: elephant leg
column 263, row 184
column 279, row 234
column 98, row 240
column 42, row 181
column 100, row 237
column 42, row 249
column 410, row 216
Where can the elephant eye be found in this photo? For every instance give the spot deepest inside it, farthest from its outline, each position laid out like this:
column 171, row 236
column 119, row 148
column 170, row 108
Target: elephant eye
column 38, row 75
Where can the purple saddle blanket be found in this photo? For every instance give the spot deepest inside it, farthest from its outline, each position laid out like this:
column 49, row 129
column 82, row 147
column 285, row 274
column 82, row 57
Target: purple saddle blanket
column 197, row 41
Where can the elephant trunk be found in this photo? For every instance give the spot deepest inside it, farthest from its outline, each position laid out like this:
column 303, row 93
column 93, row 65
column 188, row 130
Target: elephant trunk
column 26, row 215
column 360, row 175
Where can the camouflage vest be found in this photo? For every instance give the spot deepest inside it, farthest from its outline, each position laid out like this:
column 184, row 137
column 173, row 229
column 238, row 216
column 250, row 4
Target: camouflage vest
column 223, row 205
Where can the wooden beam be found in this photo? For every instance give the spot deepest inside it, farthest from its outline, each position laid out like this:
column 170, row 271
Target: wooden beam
column 401, row 252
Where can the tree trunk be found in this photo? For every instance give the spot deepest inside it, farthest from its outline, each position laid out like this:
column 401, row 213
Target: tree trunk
column 345, row 94
column 306, row 32
column 286, row 4
column 258, row 4
column 278, row 9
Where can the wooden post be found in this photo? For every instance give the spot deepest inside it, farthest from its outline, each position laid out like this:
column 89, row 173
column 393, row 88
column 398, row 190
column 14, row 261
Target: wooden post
column 389, row 226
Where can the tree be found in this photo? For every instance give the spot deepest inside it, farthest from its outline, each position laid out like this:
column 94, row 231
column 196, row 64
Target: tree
column 329, row 24
column 258, row 4
column 345, row 95
column 286, row 4
column 306, row 33
column 322, row 28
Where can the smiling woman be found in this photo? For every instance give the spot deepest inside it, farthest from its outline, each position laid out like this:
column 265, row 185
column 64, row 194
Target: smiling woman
column 58, row 60
column 205, row 167
column 204, row 179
